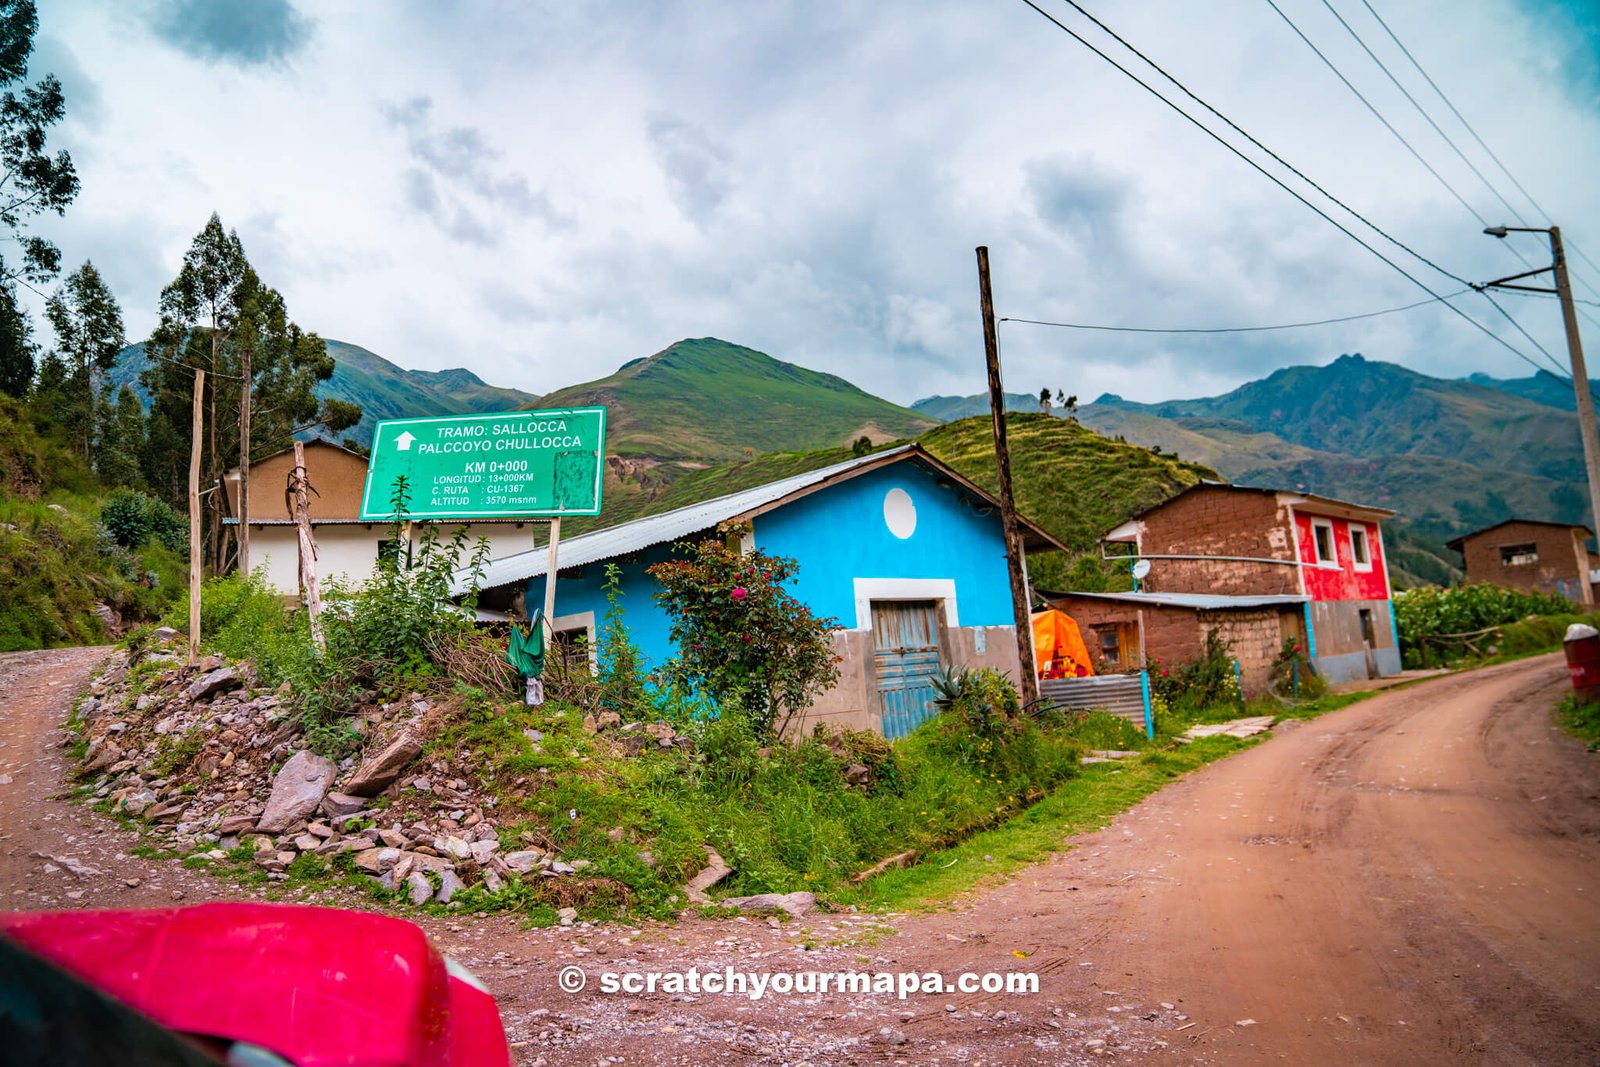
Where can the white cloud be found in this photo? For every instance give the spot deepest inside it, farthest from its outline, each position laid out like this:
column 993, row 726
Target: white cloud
column 542, row 192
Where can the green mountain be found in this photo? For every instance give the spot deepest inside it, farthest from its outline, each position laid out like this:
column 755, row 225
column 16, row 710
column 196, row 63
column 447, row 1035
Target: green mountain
column 709, row 400
column 383, row 390
column 1447, row 456
column 951, row 408
column 1542, row 388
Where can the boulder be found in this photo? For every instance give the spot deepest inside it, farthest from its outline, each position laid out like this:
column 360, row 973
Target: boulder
column 380, row 771
column 568, row 916
column 237, row 824
column 449, row 845
column 213, row 682
column 420, row 889
column 482, row 850
column 297, row 790
column 100, row 755
column 163, row 635
column 523, row 862
column 341, row 805
column 449, row 885
column 795, row 904
column 368, row 862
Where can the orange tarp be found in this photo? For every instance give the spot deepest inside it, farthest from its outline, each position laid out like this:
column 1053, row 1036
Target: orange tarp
column 1058, row 648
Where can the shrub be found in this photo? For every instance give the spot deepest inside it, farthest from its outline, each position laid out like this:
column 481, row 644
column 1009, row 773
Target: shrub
column 130, row 519
column 1207, row 682
column 1431, row 620
column 741, row 635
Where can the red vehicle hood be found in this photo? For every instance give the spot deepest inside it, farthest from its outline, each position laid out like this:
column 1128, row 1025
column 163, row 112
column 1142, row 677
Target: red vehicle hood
column 318, row 986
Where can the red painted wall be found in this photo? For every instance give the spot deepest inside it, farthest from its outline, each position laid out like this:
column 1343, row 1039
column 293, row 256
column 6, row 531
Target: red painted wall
column 1346, row 583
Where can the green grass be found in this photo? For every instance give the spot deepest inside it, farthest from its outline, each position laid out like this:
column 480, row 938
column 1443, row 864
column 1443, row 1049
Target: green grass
column 1581, row 720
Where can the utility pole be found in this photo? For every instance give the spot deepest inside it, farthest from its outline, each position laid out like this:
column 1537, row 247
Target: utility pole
column 244, row 465
column 194, row 516
column 1580, row 373
column 1015, row 565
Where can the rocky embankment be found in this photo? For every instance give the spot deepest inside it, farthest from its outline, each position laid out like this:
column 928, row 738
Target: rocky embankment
column 211, row 762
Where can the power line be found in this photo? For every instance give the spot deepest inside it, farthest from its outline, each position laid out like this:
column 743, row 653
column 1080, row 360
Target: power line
column 1507, row 316
column 1237, row 329
column 1481, row 143
column 1268, row 174
column 1422, row 111
column 1296, row 171
column 1376, row 113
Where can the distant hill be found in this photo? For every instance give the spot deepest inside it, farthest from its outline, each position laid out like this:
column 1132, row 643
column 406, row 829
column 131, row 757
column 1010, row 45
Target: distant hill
column 383, row 390
column 710, row 400
column 951, row 408
column 1447, row 456
column 1542, row 388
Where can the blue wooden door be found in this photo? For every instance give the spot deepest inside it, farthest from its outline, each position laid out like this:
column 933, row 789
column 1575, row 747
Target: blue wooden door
column 905, row 658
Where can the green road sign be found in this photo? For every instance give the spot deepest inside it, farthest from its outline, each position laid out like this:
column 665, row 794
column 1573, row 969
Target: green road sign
column 517, row 464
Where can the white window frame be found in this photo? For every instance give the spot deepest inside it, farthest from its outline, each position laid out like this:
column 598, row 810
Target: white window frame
column 1333, row 544
column 581, row 621
column 869, row 589
column 1366, row 545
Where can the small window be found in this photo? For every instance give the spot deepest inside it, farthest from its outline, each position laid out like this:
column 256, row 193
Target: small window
column 1518, row 555
column 1322, row 534
column 389, row 550
column 1110, row 646
column 1360, row 555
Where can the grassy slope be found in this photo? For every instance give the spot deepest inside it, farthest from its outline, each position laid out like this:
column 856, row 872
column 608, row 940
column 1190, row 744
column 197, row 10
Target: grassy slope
column 707, row 399
column 1070, row 480
column 52, row 568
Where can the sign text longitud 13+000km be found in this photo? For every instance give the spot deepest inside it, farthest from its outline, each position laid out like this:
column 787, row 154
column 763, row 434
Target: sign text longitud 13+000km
column 517, row 464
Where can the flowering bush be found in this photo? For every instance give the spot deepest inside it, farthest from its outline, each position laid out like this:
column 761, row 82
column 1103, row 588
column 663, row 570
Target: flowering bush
column 1207, row 682
column 741, row 635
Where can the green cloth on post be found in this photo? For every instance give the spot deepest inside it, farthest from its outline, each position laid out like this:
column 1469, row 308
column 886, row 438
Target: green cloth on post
column 526, row 653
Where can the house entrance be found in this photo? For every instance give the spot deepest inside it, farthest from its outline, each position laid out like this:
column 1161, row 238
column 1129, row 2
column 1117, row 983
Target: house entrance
column 905, row 658
column 1369, row 642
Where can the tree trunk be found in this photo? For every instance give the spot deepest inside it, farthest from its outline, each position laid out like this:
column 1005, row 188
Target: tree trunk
column 244, row 465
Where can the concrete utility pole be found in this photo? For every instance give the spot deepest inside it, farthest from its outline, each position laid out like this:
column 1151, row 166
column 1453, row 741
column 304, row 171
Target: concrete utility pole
column 1580, row 373
column 1015, row 565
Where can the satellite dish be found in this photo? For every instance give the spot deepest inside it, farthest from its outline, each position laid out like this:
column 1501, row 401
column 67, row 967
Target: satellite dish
column 1141, row 569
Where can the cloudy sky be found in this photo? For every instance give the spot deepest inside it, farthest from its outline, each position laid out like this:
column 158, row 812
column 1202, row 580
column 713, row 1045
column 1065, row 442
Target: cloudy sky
column 543, row 191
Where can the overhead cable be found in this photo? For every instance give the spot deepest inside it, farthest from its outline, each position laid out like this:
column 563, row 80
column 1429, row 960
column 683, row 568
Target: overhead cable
column 1237, row 329
column 1273, row 177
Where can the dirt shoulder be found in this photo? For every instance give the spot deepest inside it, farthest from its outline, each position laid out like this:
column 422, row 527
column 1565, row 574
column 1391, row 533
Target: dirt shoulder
column 1416, row 877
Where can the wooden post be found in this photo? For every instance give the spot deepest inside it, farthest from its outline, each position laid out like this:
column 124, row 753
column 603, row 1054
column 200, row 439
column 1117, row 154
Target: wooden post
column 308, row 545
column 550, row 577
column 194, row 517
column 244, row 466
column 1021, row 614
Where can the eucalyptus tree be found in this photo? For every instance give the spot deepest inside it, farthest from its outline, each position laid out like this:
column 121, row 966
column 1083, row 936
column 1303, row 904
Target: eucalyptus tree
column 87, row 323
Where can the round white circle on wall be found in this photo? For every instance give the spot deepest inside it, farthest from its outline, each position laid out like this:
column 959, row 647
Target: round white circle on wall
column 899, row 513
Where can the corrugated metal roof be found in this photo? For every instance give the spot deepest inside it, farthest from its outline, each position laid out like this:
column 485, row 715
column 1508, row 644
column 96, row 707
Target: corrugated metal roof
column 665, row 528
column 1193, row 601
column 673, row 526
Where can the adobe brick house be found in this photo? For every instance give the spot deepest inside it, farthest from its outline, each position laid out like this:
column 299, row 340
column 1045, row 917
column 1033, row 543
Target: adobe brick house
column 1534, row 556
column 1261, row 565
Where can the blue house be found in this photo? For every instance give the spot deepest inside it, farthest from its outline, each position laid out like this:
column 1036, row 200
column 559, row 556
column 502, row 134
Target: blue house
column 905, row 553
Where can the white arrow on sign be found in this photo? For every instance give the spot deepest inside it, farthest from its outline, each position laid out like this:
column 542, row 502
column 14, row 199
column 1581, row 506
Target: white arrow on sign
column 403, row 442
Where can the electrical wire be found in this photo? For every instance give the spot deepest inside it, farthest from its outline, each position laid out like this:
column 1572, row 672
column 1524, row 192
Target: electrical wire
column 1422, row 111
column 1554, row 362
column 1475, row 136
column 1237, row 329
column 1273, row 177
column 1296, row 171
column 1377, row 114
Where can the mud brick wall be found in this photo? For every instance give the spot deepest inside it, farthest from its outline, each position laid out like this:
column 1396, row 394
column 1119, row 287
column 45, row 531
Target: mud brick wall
column 1178, row 635
column 1562, row 566
column 1220, row 521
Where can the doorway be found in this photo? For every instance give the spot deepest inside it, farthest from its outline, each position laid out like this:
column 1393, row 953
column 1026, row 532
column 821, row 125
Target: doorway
column 905, row 659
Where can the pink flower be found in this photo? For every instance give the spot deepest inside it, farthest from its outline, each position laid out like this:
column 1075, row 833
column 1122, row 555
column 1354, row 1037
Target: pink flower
column 739, row 592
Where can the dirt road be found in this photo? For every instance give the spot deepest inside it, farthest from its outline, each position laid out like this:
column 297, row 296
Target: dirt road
column 1415, row 879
